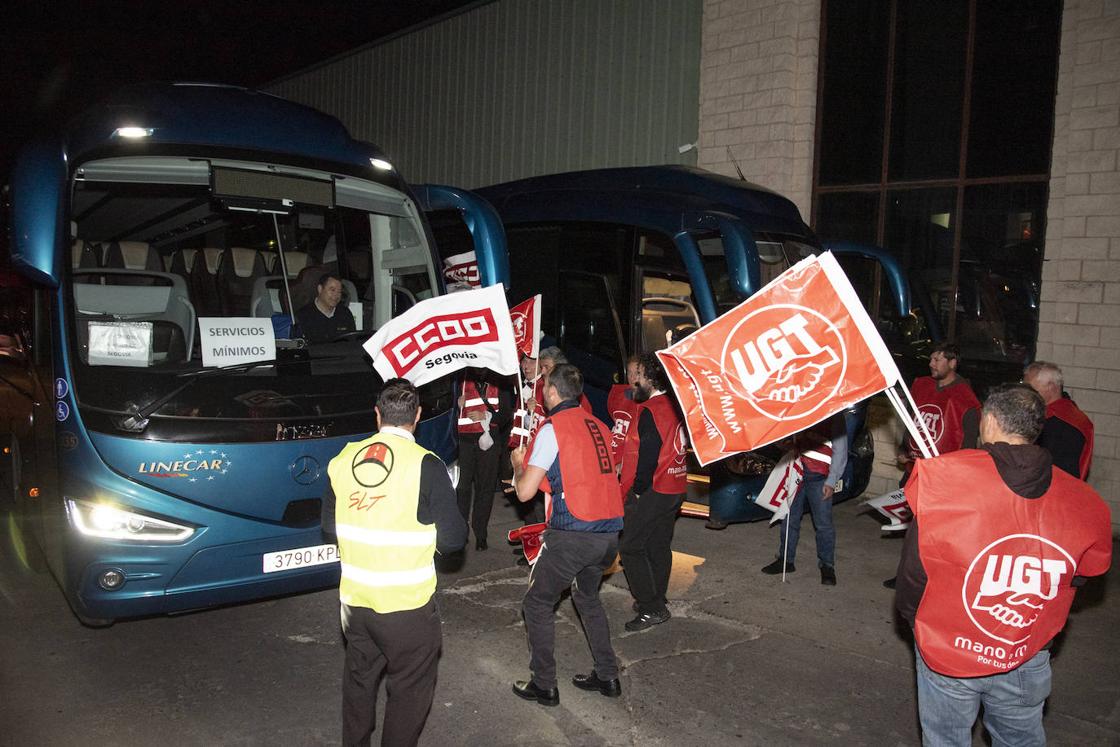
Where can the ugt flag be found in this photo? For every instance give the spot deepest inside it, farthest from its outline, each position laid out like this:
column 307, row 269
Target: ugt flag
column 526, row 320
column 444, row 334
column 796, row 352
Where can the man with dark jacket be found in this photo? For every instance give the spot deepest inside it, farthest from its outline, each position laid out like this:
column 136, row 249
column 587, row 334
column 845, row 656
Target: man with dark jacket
column 1068, row 432
column 654, row 481
column 988, row 574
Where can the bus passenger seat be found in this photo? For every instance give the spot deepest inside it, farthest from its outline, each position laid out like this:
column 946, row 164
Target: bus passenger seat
column 294, row 261
column 238, row 270
column 84, row 255
column 182, row 262
column 158, row 298
column 204, row 283
column 133, row 255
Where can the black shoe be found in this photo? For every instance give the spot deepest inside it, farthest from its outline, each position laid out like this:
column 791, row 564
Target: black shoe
column 610, row 688
column 480, row 544
column 889, row 583
column 715, row 524
column 530, row 691
column 828, row 575
column 647, row 620
column 776, row 567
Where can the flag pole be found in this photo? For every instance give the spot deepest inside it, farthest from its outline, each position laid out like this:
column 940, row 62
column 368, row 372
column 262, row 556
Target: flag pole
column 923, row 439
column 785, row 545
column 521, row 401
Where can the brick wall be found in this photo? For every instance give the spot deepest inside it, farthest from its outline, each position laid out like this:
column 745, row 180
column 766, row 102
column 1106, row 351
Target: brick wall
column 1080, row 306
column 758, row 92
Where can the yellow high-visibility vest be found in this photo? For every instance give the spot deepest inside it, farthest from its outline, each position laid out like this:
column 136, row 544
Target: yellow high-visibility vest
column 386, row 553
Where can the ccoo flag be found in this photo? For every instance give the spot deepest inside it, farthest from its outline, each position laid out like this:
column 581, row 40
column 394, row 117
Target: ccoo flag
column 444, row 334
column 526, row 319
column 796, row 352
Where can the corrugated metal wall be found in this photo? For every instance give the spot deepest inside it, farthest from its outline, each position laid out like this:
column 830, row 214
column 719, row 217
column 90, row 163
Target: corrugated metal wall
column 518, row 88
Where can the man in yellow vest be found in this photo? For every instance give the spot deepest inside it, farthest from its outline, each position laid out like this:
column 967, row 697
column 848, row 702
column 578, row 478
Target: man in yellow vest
column 392, row 507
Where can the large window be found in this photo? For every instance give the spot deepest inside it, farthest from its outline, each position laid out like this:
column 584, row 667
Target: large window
column 936, row 120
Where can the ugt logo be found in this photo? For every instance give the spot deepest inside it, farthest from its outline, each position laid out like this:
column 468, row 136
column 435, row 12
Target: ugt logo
column 934, row 420
column 1009, row 582
column 786, row 360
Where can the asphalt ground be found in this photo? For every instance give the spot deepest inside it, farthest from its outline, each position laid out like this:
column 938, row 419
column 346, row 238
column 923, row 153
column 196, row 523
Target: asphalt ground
column 745, row 660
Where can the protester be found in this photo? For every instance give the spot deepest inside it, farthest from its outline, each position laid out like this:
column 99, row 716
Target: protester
column 391, row 506
column 570, row 460
column 1068, row 432
column 485, row 411
column 654, row 480
column 622, row 406
column 324, row 318
column 999, row 542
column 948, row 407
column 823, row 450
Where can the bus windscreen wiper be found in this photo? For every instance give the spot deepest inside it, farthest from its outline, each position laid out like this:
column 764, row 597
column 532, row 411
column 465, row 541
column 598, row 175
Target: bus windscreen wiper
column 136, row 417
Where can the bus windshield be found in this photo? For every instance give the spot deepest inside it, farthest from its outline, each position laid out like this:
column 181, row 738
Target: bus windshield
column 162, row 243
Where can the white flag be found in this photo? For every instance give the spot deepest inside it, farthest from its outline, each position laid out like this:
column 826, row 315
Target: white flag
column 781, row 486
column 893, row 505
column 441, row 335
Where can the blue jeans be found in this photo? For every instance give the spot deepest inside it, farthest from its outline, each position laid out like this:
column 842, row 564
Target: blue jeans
column 810, row 492
column 1012, row 703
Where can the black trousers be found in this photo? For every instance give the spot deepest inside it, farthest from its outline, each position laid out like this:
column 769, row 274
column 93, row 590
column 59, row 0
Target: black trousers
column 646, row 546
column 478, row 481
column 576, row 560
column 404, row 645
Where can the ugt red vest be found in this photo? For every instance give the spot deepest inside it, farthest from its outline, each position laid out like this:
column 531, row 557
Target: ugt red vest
column 814, row 445
column 999, row 565
column 623, row 409
column 943, row 412
column 590, row 485
column 1065, row 409
column 671, row 475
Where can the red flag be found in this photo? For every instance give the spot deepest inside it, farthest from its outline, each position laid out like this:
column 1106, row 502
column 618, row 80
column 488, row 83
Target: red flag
column 526, row 320
column 798, row 351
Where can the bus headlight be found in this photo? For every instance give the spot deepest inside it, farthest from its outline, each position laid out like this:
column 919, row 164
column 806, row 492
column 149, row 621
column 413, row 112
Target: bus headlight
column 110, row 522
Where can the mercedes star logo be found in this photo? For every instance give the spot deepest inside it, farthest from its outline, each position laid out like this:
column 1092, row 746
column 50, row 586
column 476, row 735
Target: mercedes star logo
column 306, row 470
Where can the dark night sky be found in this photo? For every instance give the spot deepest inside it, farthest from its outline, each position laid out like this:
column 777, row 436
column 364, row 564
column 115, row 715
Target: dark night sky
column 56, row 58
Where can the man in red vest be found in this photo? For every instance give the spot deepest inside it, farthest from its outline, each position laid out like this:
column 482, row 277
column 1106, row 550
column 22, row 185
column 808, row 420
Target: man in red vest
column 654, row 480
column 947, row 406
column 823, row 450
column 485, row 413
column 622, row 406
column 569, row 459
column 999, row 542
column 1068, row 432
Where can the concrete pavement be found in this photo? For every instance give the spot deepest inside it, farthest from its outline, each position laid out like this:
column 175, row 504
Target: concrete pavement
column 746, row 660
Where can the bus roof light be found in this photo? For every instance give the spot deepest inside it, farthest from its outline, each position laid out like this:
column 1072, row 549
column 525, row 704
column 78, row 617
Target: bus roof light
column 133, row 133
column 380, row 163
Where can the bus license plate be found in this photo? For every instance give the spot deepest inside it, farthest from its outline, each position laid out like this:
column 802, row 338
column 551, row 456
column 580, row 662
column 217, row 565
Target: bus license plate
column 301, row 557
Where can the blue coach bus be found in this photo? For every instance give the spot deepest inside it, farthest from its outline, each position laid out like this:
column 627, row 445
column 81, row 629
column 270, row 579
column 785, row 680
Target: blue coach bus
column 166, row 433
column 627, row 258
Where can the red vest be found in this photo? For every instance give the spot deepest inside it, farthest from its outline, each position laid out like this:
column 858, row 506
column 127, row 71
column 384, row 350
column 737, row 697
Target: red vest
column 475, row 403
column 622, row 409
column 943, row 412
column 999, row 565
column 671, row 475
column 1065, row 409
column 814, row 446
column 590, row 485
